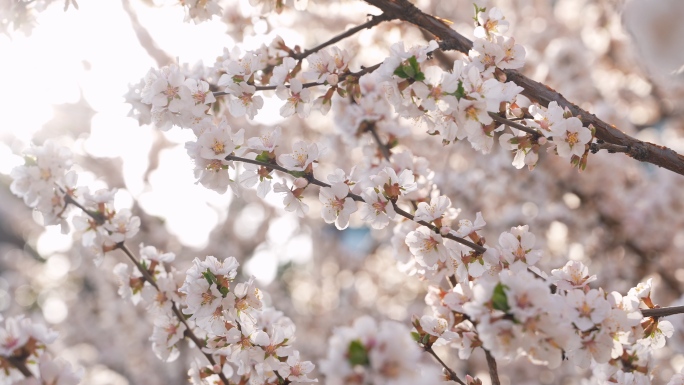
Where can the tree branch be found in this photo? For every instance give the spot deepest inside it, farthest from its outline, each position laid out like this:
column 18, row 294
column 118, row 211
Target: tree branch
column 375, row 20
column 662, row 311
column 493, row 372
column 452, row 40
column 146, row 274
column 358, row 198
column 452, row 375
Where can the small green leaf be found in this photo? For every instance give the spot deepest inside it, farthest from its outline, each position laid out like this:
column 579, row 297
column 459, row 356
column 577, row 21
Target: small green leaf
column 224, row 290
column 298, row 174
column 415, row 336
column 357, row 354
column 400, row 72
column 499, row 300
column 409, row 70
column 263, row 157
column 209, row 276
column 460, row 91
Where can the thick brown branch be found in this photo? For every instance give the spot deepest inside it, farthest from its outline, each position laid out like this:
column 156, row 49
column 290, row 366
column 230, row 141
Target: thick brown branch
column 663, row 311
column 450, row 39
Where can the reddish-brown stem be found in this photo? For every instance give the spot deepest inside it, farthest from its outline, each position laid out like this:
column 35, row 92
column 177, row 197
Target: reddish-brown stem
column 452, row 375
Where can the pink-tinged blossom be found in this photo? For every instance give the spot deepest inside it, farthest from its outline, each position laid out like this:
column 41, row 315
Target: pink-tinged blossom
column 165, row 88
column 281, row 73
column 243, row 101
column 219, row 141
column 266, row 142
column 256, row 175
column 303, row 155
column 573, row 275
column 200, row 95
column 393, row 357
column 514, row 54
column 466, row 227
column 298, row 99
column 57, row 371
column 491, row 23
column 240, row 69
column 570, row 137
column 45, row 169
column 546, row 118
column 377, row 210
column 426, row 246
column 293, row 199
column 596, row 345
column 587, row 309
column 433, row 211
column 337, row 207
column 327, row 65
column 517, row 246
column 296, row 370
column 398, row 54
column 393, row 185
column 124, row 225
column 642, row 290
column 201, row 10
column 656, row 335
column 438, row 327
column 165, row 335
column 486, row 55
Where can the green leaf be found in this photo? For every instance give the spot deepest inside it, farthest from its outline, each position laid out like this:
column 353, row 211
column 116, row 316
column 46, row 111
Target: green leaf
column 400, row 72
column 415, row 336
column 209, row 276
column 499, row 300
column 224, row 290
column 460, row 91
column 298, row 174
column 263, row 157
column 409, row 70
column 357, row 354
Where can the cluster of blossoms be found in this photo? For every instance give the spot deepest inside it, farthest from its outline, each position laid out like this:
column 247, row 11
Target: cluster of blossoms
column 23, row 356
column 497, row 298
column 482, row 295
column 250, row 341
column 47, row 184
column 368, row 353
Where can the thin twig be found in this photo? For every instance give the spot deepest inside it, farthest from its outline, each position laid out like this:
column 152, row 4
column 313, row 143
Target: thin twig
column 493, row 372
column 343, row 76
column 375, row 20
column 452, row 375
column 510, row 123
column 358, row 198
column 20, row 364
column 384, row 149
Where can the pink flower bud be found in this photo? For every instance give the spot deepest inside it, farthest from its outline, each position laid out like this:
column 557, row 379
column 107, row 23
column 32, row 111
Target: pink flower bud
column 301, row 182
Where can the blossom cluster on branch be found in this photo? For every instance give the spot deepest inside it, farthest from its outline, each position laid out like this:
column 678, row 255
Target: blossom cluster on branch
column 482, row 295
